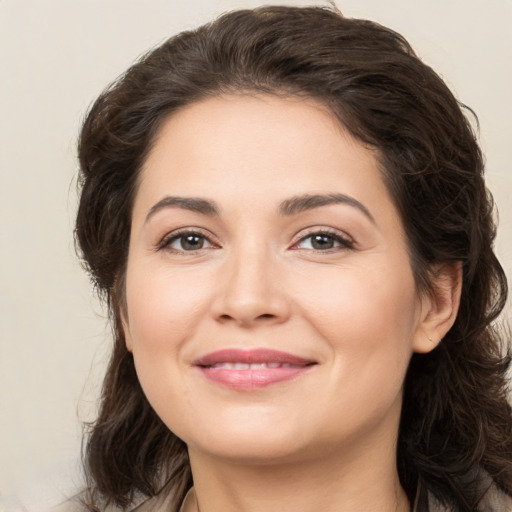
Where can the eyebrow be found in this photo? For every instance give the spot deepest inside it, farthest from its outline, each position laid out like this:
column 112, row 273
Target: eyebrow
column 194, row 204
column 306, row 202
column 288, row 207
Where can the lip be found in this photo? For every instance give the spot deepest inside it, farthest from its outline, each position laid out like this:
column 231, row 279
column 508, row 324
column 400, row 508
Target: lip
column 251, row 369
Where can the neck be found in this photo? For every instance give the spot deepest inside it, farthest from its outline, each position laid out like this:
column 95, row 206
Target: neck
column 331, row 483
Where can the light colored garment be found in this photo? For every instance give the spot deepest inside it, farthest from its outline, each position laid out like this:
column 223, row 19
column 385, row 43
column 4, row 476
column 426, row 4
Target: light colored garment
column 493, row 501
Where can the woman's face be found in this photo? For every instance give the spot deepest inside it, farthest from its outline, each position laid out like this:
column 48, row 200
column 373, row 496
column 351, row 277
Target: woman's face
column 271, row 307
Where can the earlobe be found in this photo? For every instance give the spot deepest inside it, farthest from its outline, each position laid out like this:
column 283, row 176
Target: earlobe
column 123, row 322
column 118, row 298
column 122, row 327
column 439, row 307
column 127, row 338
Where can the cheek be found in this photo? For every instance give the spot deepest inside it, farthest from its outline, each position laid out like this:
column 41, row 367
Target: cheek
column 163, row 311
column 369, row 326
column 163, row 307
column 369, row 318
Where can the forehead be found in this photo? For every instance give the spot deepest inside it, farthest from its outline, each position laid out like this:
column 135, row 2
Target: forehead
column 260, row 146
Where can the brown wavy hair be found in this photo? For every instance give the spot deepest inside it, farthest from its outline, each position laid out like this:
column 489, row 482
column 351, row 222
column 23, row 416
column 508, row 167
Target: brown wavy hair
column 456, row 421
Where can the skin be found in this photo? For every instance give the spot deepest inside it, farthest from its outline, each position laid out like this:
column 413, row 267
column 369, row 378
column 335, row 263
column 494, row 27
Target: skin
column 325, row 440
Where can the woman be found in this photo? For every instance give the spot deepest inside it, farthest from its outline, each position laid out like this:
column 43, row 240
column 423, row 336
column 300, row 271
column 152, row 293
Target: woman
column 285, row 210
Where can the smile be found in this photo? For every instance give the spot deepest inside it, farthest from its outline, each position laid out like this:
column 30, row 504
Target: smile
column 248, row 370
column 249, row 366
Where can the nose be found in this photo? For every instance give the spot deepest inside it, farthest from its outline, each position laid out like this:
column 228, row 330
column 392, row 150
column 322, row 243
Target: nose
column 251, row 292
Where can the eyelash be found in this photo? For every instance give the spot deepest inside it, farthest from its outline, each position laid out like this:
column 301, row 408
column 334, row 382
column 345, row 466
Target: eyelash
column 344, row 242
column 166, row 242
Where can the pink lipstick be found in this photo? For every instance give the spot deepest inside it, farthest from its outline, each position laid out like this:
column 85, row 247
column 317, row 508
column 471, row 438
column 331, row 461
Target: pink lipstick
column 251, row 369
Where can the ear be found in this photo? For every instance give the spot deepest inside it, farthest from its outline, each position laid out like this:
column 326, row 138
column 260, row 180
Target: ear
column 123, row 327
column 439, row 307
column 126, row 331
column 118, row 299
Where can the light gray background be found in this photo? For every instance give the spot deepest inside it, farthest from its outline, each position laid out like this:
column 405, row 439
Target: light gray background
column 55, row 57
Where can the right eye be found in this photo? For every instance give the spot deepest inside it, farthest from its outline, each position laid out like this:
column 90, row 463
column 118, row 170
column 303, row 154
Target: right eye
column 186, row 242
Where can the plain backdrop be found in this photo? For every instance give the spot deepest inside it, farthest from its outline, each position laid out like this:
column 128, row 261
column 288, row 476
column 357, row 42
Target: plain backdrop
column 55, row 58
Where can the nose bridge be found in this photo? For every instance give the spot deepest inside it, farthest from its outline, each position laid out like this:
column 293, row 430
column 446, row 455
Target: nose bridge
column 251, row 290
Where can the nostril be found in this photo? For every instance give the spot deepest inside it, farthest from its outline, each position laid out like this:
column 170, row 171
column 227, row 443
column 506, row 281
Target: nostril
column 263, row 317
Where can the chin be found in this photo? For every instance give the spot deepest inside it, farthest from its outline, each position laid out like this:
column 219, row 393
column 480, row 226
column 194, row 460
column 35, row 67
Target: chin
column 254, row 444
column 252, row 452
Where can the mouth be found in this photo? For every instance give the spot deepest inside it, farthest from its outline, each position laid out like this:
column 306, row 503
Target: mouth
column 251, row 369
column 250, row 366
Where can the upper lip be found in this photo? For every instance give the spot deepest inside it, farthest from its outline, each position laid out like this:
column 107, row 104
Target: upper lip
column 251, row 356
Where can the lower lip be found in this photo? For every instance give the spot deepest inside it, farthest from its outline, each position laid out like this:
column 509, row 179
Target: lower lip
column 249, row 380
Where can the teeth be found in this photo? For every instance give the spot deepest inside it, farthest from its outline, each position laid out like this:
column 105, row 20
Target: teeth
column 251, row 366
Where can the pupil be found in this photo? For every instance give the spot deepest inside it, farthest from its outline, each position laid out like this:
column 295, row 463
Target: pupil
column 322, row 242
column 191, row 242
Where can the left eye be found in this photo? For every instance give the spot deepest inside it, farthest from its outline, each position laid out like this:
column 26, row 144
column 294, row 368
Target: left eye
column 322, row 242
column 188, row 242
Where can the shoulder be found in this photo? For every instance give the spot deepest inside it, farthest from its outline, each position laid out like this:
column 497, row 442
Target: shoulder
column 76, row 505
column 494, row 500
column 155, row 504
column 69, row 506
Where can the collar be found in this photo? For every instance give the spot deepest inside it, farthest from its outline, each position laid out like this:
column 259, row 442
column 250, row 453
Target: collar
column 420, row 501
